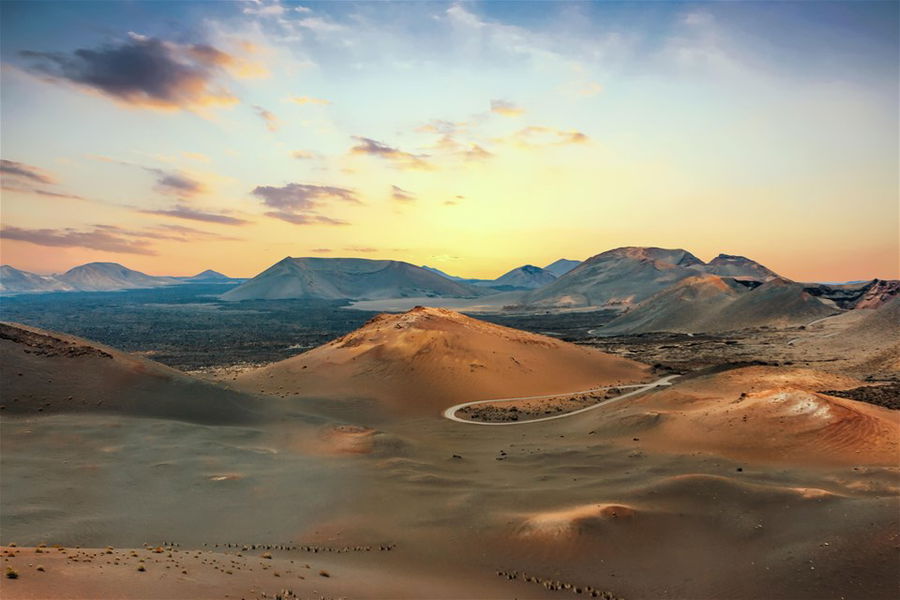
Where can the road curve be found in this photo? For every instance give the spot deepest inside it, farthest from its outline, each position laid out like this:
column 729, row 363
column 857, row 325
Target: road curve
column 450, row 413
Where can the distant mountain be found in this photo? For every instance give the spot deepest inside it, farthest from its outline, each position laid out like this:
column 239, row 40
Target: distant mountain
column 526, row 277
column 709, row 303
column 562, row 266
column 447, row 275
column 347, row 278
column 728, row 265
column 207, row 276
column 104, row 276
column 90, row 277
column 13, row 280
column 617, row 278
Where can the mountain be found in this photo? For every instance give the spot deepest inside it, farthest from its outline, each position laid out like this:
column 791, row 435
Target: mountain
column 428, row 359
column 616, row 278
column 878, row 293
column 525, row 277
column 50, row 372
column 13, row 280
column 708, row 303
column 346, row 278
column 208, row 276
column 447, row 275
column 728, row 265
column 562, row 266
column 104, row 276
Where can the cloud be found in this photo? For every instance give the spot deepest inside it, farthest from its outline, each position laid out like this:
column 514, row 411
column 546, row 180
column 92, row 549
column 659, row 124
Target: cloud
column 304, row 218
column 17, row 170
column 506, row 108
column 591, row 88
column 319, row 25
column 97, row 239
column 309, row 100
column 271, row 121
column 399, row 158
column 400, row 195
column 40, row 192
column 176, row 183
column 321, row 250
column 181, row 211
column 362, row 249
column 538, row 136
column 304, row 155
column 298, row 203
column 142, row 71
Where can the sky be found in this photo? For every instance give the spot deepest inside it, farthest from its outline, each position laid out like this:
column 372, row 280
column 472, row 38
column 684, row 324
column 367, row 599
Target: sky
column 174, row 137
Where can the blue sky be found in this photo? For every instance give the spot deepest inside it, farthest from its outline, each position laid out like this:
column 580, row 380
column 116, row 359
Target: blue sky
column 179, row 136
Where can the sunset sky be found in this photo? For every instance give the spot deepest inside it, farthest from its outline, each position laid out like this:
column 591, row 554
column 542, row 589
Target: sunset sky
column 473, row 137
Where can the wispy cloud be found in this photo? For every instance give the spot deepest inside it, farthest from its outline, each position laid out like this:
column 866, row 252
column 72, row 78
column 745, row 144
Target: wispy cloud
column 299, row 203
column 305, row 154
column 17, row 170
column 398, row 194
column 185, row 212
column 142, row 71
column 506, row 108
column 537, row 136
column 301, row 100
column 271, row 121
column 398, row 158
column 96, row 239
column 176, row 183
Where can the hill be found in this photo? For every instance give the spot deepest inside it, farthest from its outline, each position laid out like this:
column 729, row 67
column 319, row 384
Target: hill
column 616, row 278
column 346, row 278
column 14, row 280
column 524, row 277
column 105, row 276
column 47, row 372
column 728, row 265
column 708, row 303
column 562, row 266
column 208, row 276
column 427, row 359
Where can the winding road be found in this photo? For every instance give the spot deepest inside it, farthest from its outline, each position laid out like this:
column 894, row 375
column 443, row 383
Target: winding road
column 450, row 413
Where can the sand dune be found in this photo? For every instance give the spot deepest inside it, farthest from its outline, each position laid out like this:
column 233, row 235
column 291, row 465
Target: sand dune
column 427, row 359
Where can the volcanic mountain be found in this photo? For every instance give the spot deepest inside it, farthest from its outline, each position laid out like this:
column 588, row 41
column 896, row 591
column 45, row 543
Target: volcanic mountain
column 15, row 280
column 346, row 278
column 427, row 359
column 207, row 276
column 103, row 276
column 525, row 277
column 47, row 372
column 562, row 266
column 617, row 278
column 706, row 303
column 741, row 267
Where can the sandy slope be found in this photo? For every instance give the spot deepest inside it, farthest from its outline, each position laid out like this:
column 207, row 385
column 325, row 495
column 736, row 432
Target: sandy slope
column 667, row 495
column 768, row 414
column 427, row 359
column 44, row 373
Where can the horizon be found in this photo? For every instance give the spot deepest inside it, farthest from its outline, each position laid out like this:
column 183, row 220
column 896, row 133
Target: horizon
column 454, row 274
column 178, row 137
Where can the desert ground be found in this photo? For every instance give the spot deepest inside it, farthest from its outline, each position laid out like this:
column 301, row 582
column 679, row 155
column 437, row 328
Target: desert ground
column 753, row 473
